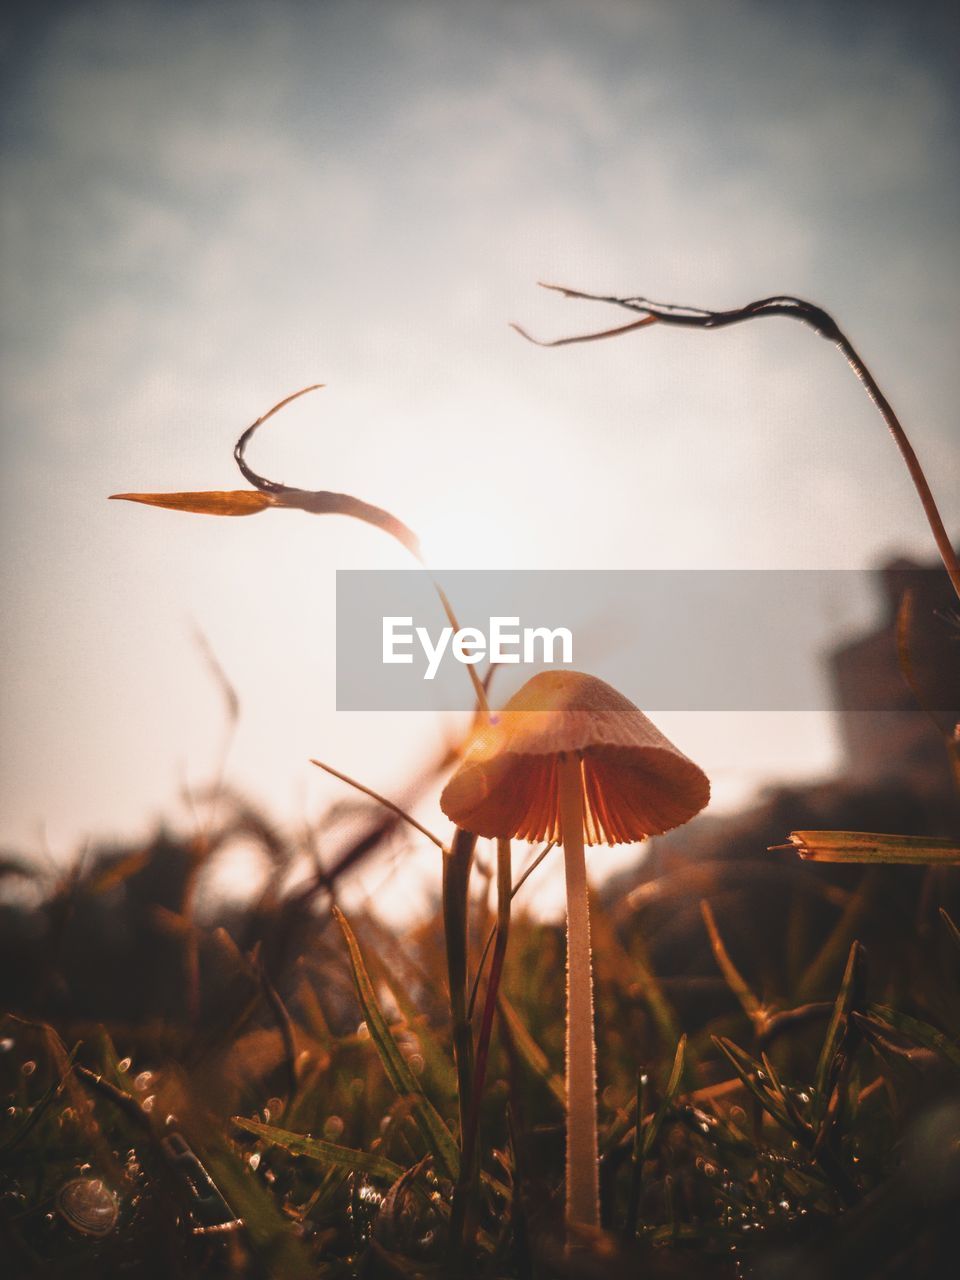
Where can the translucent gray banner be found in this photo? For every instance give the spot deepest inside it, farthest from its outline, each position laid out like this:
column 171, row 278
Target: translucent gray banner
column 670, row 640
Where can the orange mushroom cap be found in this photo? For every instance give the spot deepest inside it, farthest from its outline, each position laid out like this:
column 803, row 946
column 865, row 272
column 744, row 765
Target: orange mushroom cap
column 635, row 781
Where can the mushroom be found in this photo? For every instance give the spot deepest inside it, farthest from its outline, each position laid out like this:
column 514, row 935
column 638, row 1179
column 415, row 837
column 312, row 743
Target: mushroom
column 569, row 759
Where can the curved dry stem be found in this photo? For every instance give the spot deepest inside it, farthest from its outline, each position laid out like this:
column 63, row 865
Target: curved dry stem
column 326, row 502
column 320, row 501
column 820, row 322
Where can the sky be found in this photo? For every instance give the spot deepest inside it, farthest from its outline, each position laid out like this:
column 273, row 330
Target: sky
column 207, row 206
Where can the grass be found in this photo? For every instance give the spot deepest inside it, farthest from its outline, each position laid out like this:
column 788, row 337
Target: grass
column 776, row 1097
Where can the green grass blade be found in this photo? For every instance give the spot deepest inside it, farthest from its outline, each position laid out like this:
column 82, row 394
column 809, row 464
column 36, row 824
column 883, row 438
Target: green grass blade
column 917, row 1030
column 836, row 1029
column 274, row 1244
column 435, row 1133
column 673, row 1084
column 752, row 1074
column 302, row 1144
column 531, row 1052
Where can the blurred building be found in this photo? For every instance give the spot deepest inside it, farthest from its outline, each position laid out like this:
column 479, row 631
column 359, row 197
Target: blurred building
column 897, row 689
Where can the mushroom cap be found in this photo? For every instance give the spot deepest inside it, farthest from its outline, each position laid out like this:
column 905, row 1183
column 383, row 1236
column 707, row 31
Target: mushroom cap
column 635, row 781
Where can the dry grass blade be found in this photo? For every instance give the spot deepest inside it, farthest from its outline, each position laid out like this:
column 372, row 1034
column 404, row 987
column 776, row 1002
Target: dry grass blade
column 735, row 980
column 229, row 502
column 951, row 926
column 320, row 502
column 116, row 873
column 387, row 804
column 868, row 846
column 584, row 337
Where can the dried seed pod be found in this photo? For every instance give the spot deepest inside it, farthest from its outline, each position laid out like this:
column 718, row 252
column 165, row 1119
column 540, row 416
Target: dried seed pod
column 89, row 1206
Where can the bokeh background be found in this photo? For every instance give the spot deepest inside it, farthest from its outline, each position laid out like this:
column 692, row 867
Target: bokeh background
column 206, row 206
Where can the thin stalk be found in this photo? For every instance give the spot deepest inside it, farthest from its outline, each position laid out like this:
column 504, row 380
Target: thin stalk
column 820, row 322
column 467, row 1223
column 493, row 932
column 456, row 883
column 636, row 1176
column 583, row 1182
column 504, row 897
column 387, row 804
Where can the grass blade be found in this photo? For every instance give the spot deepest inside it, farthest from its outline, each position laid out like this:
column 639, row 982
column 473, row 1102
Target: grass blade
column 302, row 1144
column 915, row 1029
column 735, row 980
column 666, row 1102
column 636, row 1175
column 231, row 502
column 530, row 1051
column 435, row 1133
column 951, row 926
column 836, row 1029
column 752, row 1075
column 866, row 846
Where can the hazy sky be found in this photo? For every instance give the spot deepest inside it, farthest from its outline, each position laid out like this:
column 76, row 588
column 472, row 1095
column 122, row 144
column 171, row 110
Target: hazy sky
column 207, row 206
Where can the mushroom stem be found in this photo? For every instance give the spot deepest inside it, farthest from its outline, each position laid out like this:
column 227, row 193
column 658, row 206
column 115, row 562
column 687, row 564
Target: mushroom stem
column 583, row 1190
